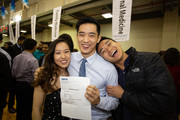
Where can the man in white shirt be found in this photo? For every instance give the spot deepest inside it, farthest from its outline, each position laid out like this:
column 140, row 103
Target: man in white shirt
column 100, row 72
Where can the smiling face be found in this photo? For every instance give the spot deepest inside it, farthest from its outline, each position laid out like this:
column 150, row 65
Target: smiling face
column 62, row 55
column 87, row 37
column 45, row 48
column 110, row 50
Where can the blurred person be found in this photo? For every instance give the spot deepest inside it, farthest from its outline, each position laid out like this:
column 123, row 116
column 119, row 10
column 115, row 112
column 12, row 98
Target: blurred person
column 5, row 52
column 38, row 53
column 100, row 72
column 23, row 68
column 161, row 53
column 172, row 60
column 75, row 50
column 13, row 51
column 5, row 81
column 45, row 49
column 16, row 49
column 47, row 87
column 69, row 40
column 146, row 89
column 5, row 78
column 6, row 45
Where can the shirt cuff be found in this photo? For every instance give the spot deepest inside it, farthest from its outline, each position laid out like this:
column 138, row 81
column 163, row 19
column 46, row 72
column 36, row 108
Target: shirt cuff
column 101, row 103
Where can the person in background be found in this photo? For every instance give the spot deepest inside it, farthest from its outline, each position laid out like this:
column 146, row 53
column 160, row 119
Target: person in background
column 38, row 53
column 146, row 89
column 172, row 60
column 161, row 53
column 69, row 40
column 23, row 68
column 6, row 45
column 16, row 49
column 100, row 72
column 5, row 79
column 47, row 85
column 5, row 52
column 75, row 50
column 45, row 49
column 13, row 51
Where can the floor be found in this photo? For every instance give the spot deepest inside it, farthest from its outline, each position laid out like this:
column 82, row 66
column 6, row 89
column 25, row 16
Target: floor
column 10, row 116
column 7, row 115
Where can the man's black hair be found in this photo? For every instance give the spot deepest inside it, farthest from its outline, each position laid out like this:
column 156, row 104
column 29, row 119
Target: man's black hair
column 102, row 38
column 88, row 20
column 47, row 43
column 21, row 38
column 172, row 56
column 9, row 43
column 29, row 44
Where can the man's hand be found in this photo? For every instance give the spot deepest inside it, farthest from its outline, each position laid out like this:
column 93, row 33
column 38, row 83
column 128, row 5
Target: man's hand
column 92, row 94
column 115, row 91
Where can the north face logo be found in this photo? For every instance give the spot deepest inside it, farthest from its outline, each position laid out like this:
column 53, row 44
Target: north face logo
column 136, row 70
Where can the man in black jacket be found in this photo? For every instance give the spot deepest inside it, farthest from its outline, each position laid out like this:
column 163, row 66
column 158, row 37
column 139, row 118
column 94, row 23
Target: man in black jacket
column 5, row 79
column 146, row 89
column 14, row 50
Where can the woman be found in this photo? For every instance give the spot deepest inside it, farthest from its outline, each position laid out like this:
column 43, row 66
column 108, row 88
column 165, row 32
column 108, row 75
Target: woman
column 47, row 84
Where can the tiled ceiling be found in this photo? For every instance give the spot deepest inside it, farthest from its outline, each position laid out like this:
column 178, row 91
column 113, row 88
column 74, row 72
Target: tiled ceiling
column 141, row 9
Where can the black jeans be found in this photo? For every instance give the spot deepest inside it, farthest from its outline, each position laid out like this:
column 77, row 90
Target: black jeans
column 3, row 96
column 24, row 97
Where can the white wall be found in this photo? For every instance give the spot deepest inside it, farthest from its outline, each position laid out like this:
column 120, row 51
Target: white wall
column 178, row 35
column 145, row 35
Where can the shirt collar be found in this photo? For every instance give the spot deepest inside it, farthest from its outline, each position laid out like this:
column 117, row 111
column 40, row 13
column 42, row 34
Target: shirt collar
column 89, row 59
column 18, row 45
column 126, row 63
column 25, row 52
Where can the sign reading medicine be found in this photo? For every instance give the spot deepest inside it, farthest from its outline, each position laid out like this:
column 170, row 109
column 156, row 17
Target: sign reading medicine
column 121, row 19
column 56, row 22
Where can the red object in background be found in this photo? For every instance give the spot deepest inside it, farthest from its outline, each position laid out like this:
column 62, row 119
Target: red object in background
column 4, row 29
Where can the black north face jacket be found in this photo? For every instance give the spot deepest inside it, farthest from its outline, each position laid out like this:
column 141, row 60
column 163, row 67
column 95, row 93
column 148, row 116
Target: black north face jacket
column 149, row 89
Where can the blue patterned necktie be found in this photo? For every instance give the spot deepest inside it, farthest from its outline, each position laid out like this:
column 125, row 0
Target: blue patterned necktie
column 82, row 70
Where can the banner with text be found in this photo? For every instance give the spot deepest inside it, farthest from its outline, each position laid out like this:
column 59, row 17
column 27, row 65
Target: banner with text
column 33, row 27
column 17, row 30
column 56, row 22
column 11, row 34
column 121, row 19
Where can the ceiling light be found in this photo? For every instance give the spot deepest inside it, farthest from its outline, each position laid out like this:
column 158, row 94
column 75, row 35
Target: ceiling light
column 23, row 31
column 50, row 25
column 107, row 15
column 4, row 34
column 17, row 18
